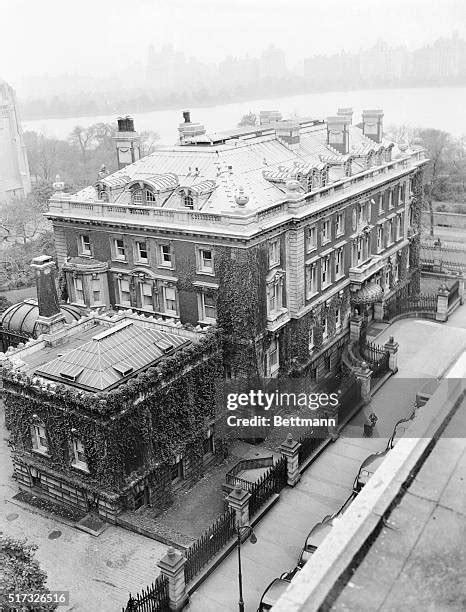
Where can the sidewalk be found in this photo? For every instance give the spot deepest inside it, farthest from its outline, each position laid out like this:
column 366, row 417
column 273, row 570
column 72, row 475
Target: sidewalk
column 426, row 349
column 418, row 561
column 98, row 572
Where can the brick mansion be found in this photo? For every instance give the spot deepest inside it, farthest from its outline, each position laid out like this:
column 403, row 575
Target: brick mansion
column 271, row 234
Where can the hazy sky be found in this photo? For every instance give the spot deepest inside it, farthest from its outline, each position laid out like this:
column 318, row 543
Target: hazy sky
column 94, row 36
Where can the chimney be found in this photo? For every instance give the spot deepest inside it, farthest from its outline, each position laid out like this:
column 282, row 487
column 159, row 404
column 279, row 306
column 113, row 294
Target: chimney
column 50, row 317
column 346, row 112
column 266, row 117
column 128, row 142
column 338, row 133
column 288, row 133
column 188, row 130
column 372, row 124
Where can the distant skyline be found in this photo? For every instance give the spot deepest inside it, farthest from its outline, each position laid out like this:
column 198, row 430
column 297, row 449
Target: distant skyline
column 50, row 38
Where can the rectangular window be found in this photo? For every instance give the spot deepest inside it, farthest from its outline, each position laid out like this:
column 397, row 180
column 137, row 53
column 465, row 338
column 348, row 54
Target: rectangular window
column 79, row 457
column 169, row 294
column 209, row 307
column 120, row 249
column 205, row 261
column 142, row 255
column 340, row 224
column 325, row 328
column 379, row 238
column 177, row 470
column 275, row 301
column 273, row 363
column 39, row 439
column 380, row 204
column 165, row 255
column 146, row 296
column 390, row 198
column 95, row 290
column 325, row 271
column 339, row 262
column 391, row 235
column 338, row 318
column 326, row 231
column 401, row 193
column 125, row 296
column 311, row 338
column 79, row 290
column 399, row 227
column 311, row 280
column 85, row 245
column 311, row 238
column 208, row 444
column 274, row 253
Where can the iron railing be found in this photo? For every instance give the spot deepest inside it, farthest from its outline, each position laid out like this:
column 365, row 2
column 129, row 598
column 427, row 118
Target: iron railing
column 154, row 598
column 210, row 543
column 232, row 477
column 270, row 483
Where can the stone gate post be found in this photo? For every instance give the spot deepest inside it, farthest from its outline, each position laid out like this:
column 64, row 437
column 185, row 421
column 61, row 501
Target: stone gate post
column 392, row 347
column 172, row 567
column 364, row 378
column 238, row 500
column 290, row 449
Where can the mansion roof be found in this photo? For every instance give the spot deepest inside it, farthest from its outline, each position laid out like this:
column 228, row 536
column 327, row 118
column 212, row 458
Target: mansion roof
column 244, row 170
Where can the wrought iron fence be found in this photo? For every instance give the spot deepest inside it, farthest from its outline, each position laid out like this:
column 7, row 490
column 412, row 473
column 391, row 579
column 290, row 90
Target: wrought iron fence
column 152, row 599
column 350, row 396
column 210, row 543
column 311, row 441
column 371, row 352
column 271, row 482
column 404, row 301
column 232, row 477
column 454, row 293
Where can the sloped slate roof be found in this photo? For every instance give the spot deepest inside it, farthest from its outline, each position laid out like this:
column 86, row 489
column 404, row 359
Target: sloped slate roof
column 112, row 357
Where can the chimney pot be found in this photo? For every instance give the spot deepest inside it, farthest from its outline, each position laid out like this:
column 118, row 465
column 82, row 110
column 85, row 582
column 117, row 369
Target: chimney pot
column 187, row 116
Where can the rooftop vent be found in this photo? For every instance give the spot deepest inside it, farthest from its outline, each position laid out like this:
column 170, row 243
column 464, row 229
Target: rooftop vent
column 164, row 345
column 112, row 330
column 72, row 373
column 123, row 368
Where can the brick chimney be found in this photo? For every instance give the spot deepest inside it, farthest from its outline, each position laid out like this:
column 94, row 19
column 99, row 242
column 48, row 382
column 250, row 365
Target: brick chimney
column 372, row 124
column 128, row 142
column 346, row 112
column 188, row 130
column 338, row 133
column 288, row 133
column 50, row 317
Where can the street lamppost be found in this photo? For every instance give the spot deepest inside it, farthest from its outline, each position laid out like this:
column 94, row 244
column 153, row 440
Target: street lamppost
column 240, row 530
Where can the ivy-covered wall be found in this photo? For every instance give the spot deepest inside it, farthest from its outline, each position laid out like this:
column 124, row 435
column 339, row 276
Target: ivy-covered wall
column 295, row 345
column 241, row 306
column 131, row 433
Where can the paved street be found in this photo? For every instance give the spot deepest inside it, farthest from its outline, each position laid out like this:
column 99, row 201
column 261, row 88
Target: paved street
column 98, row 572
column 426, row 349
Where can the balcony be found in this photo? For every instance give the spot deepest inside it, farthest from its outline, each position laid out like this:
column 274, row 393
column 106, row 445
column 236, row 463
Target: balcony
column 277, row 319
column 359, row 274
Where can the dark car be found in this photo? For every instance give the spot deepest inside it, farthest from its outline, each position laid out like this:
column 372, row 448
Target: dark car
column 399, row 430
column 275, row 590
column 315, row 537
column 367, row 469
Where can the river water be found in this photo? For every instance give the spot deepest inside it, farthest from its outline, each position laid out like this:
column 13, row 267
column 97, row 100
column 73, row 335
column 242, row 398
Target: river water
column 441, row 108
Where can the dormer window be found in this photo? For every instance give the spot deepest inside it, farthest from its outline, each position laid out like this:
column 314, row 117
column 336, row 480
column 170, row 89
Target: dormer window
column 103, row 194
column 188, row 202
column 150, row 197
column 137, row 196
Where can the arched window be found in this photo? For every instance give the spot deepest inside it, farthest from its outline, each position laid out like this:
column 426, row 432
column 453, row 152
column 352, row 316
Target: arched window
column 150, row 197
column 104, row 195
column 137, row 196
column 188, row 201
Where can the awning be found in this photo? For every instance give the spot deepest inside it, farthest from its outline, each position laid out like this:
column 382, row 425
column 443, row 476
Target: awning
column 370, row 293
